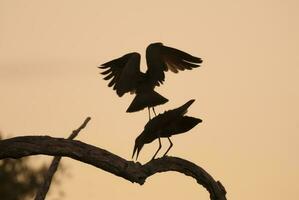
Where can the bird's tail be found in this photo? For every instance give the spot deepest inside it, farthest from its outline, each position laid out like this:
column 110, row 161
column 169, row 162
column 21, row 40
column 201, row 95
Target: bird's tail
column 148, row 99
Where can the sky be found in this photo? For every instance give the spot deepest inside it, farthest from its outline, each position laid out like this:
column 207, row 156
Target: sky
column 246, row 90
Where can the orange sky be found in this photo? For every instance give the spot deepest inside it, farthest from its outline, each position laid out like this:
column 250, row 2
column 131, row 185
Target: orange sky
column 246, row 90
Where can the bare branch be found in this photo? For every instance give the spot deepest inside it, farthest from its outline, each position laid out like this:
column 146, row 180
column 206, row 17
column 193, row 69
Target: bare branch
column 77, row 131
column 44, row 188
column 135, row 172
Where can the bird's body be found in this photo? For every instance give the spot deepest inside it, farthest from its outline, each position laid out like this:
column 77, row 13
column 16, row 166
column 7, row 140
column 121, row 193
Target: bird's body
column 146, row 96
column 126, row 76
column 169, row 123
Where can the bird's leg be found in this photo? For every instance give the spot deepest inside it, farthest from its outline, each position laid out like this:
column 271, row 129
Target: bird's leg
column 154, row 110
column 168, row 147
column 158, row 148
column 149, row 113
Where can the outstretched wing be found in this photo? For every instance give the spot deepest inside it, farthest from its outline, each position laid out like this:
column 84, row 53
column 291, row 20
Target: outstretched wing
column 161, row 58
column 123, row 73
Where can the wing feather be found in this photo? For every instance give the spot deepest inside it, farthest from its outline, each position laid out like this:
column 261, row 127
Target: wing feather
column 123, row 73
column 106, row 72
column 162, row 58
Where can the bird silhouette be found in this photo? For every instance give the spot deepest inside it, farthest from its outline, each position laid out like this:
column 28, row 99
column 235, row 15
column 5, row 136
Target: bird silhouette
column 125, row 75
column 169, row 123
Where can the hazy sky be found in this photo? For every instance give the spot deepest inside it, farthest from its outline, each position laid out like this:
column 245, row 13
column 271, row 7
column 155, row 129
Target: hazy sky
column 246, row 90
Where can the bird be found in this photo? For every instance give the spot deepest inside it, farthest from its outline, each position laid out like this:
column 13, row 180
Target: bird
column 125, row 76
column 169, row 123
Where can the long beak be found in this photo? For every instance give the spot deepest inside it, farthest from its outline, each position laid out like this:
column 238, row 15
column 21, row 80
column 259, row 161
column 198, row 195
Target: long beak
column 136, row 150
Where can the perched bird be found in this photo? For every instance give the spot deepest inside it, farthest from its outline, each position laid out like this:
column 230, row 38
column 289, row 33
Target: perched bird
column 125, row 75
column 169, row 123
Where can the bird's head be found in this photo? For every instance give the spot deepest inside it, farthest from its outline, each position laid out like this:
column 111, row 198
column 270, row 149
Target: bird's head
column 138, row 146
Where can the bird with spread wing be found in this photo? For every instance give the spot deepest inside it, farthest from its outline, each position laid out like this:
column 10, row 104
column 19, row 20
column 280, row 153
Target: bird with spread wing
column 125, row 75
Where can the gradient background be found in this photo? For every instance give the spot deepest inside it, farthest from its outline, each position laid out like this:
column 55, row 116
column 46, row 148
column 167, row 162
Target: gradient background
column 246, row 90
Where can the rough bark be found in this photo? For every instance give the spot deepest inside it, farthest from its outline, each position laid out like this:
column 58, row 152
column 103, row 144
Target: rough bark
column 135, row 172
column 44, row 188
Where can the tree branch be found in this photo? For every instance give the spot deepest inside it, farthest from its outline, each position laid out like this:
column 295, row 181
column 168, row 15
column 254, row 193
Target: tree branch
column 135, row 172
column 44, row 188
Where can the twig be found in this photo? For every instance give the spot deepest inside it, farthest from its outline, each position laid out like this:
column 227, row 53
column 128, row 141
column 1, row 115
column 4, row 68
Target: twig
column 44, row 188
column 77, row 131
column 135, row 172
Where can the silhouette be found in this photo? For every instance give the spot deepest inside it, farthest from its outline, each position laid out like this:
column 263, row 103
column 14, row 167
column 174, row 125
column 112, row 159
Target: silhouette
column 126, row 76
column 169, row 123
